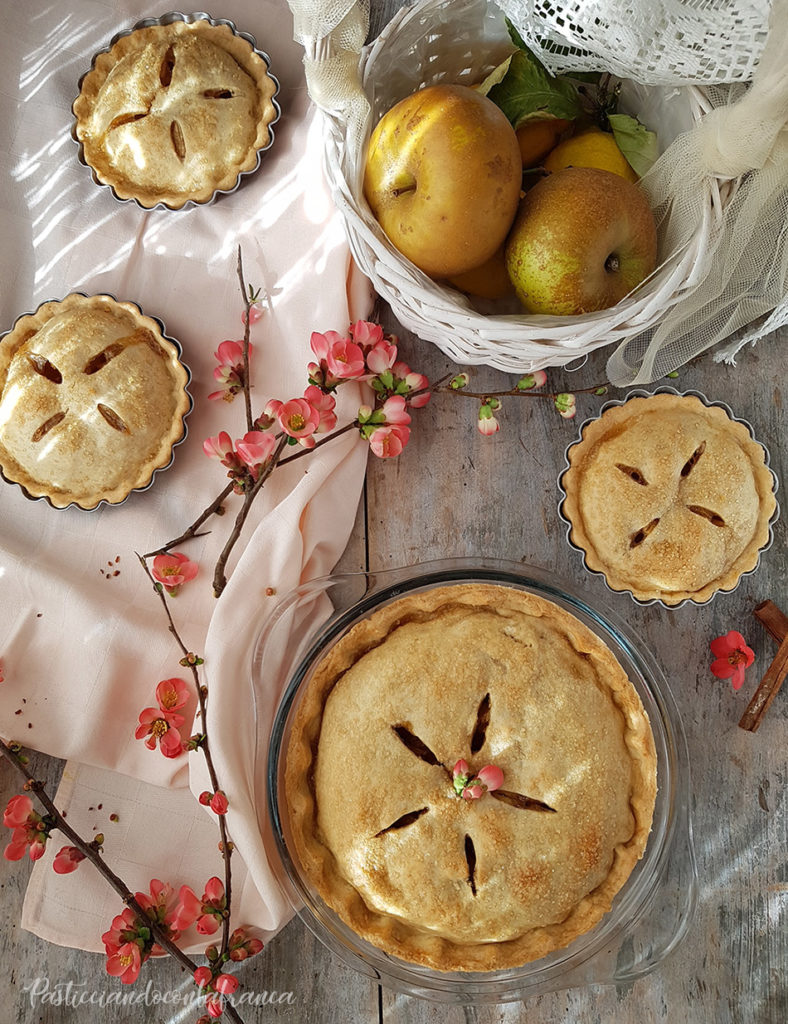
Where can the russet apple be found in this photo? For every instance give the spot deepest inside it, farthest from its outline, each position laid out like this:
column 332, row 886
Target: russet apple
column 583, row 238
column 443, row 176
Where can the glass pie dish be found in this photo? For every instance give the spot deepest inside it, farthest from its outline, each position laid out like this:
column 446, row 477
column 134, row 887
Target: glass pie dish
column 650, row 913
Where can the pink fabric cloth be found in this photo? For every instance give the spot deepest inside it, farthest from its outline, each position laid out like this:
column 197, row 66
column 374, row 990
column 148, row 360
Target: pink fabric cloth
column 83, row 648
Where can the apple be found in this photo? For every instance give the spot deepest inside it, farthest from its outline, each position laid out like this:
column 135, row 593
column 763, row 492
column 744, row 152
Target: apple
column 583, row 238
column 443, row 175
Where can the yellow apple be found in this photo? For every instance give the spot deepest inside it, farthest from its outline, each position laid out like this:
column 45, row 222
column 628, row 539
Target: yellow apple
column 582, row 240
column 442, row 177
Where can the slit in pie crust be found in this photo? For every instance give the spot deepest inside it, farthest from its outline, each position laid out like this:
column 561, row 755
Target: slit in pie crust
column 175, row 112
column 92, row 399
column 669, row 498
column 489, row 674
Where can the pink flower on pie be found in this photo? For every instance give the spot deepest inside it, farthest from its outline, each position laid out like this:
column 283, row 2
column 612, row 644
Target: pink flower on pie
column 173, row 570
column 325, row 405
column 160, row 727
column 388, row 442
column 255, row 448
column 487, row 779
column 366, row 334
column 30, row 831
column 67, row 860
column 732, row 656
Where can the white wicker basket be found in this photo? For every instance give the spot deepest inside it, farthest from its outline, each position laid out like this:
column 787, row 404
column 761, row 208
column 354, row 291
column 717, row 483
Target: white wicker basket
column 459, row 41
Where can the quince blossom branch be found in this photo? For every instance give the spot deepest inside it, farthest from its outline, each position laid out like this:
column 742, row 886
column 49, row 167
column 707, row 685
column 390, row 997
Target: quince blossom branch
column 142, row 917
column 192, row 662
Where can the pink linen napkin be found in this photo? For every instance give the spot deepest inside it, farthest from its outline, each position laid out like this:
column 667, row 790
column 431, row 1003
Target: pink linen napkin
column 83, row 640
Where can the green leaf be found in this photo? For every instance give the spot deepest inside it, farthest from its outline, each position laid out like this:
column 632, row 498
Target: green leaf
column 635, row 141
column 529, row 92
column 515, row 36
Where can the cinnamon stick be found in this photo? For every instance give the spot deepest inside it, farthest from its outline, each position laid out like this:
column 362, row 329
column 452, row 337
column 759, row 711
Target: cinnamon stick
column 773, row 619
column 767, row 690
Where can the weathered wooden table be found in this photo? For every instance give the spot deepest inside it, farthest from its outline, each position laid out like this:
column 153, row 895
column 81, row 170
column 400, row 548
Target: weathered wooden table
column 455, row 493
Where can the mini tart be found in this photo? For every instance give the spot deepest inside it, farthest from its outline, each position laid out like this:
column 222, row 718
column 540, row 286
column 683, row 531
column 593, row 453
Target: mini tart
column 173, row 113
column 489, row 674
column 92, row 399
column 669, row 498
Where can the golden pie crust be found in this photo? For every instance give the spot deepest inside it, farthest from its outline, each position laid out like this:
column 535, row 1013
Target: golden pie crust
column 173, row 113
column 669, row 498
column 489, row 674
column 92, row 399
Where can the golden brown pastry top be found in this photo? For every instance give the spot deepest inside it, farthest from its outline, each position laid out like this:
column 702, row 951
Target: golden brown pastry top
column 174, row 112
column 92, row 400
column 489, row 674
column 669, row 498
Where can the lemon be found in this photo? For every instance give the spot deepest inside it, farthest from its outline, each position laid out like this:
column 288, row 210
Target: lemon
column 537, row 138
column 593, row 148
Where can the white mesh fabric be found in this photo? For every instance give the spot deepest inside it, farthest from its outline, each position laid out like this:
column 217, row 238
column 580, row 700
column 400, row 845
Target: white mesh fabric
column 657, row 42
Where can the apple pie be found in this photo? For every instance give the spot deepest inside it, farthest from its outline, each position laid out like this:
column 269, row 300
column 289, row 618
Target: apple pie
column 490, row 675
column 92, row 399
column 669, row 498
column 174, row 112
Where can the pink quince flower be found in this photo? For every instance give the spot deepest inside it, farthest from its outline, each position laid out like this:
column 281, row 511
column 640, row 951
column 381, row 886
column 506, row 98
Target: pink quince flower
column 487, row 779
column 125, row 962
column 187, row 909
column 173, row 570
column 300, row 420
column 491, row 777
column 345, row 360
column 126, row 950
column 172, row 694
column 381, row 357
column 221, row 448
column 255, row 448
column 733, row 657
column 321, row 343
column 30, row 832
column 203, row 977
column 160, row 727
column 325, row 405
column 230, row 371
column 67, row 860
column 412, row 382
column 395, row 410
column 366, row 334
column 387, row 442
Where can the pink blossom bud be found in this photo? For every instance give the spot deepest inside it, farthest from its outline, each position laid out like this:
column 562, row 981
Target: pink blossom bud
column 205, row 798
column 491, row 776
column 218, row 803
column 202, row 976
column 460, row 768
column 226, row 984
